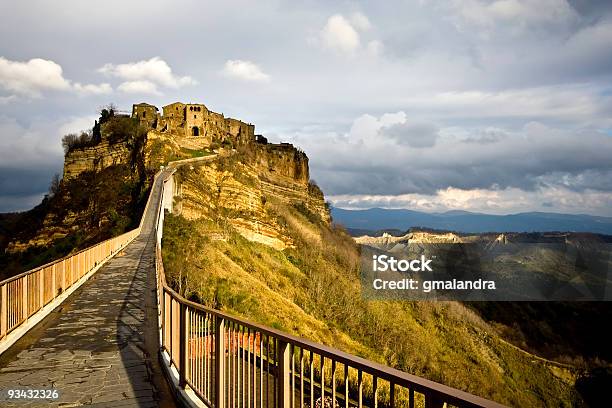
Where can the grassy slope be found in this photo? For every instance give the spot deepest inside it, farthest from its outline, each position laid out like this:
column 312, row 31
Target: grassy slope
column 313, row 290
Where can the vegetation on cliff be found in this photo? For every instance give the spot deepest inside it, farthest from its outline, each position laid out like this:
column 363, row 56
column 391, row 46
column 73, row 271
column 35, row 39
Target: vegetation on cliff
column 254, row 239
column 80, row 211
column 312, row 288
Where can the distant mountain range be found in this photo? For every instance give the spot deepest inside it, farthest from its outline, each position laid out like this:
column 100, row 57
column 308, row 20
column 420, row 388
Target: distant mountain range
column 377, row 219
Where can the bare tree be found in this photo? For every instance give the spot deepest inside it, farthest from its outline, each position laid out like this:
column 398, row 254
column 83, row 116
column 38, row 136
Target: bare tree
column 54, row 187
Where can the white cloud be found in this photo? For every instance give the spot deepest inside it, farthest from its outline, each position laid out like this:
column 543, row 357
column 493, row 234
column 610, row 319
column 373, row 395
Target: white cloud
column 30, row 155
column 244, row 70
column 146, row 75
column 75, row 125
column 339, row 35
column 374, row 48
column 395, row 157
column 519, row 12
column 100, row 89
column 139, row 87
column 360, row 21
column 31, row 78
column 506, row 201
column 344, row 35
column 571, row 103
column 39, row 143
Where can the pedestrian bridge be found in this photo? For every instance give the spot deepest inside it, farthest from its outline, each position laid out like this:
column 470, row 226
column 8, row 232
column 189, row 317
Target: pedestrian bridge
column 102, row 328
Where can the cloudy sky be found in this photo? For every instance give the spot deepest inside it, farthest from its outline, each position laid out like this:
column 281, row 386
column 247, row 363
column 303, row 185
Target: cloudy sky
column 493, row 106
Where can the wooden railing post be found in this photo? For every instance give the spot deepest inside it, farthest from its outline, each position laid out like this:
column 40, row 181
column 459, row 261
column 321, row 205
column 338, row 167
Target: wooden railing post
column 162, row 317
column 3, row 311
column 182, row 345
column 219, row 378
column 24, row 297
column 64, row 275
column 41, row 288
column 283, row 359
column 53, row 277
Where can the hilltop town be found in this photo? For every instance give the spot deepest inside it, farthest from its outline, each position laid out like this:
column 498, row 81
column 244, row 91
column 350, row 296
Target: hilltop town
column 194, row 125
column 180, row 130
column 128, row 148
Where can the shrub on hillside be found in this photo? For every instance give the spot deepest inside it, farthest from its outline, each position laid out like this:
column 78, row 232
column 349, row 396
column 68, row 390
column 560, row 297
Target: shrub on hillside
column 73, row 141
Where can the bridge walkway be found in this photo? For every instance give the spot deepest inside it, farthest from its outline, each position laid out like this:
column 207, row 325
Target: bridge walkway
column 100, row 346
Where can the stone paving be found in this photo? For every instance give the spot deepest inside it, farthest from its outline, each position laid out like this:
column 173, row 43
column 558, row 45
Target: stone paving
column 99, row 347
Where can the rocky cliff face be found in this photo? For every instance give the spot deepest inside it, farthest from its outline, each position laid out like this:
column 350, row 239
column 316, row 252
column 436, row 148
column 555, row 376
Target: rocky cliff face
column 95, row 158
column 418, row 236
column 101, row 195
column 106, row 173
column 248, row 189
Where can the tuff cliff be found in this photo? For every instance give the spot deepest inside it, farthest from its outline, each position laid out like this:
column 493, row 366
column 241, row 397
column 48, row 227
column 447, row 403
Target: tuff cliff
column 95, row 158
column 240, row 189
column 107, row 172
column 246, row 189
column 182, row 131
column 254, row 240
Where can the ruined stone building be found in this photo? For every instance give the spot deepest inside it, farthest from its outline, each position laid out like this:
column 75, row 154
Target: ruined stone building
column 189, row 127
column 195, row 123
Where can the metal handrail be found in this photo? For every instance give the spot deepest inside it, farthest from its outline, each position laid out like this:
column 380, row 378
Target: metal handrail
column 193, row 337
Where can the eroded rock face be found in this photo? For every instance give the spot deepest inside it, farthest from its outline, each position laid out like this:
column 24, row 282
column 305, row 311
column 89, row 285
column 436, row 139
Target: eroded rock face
column 423, row 237
column 247, row 191
column 243, row 191
column 95, row 158
column 282, row 160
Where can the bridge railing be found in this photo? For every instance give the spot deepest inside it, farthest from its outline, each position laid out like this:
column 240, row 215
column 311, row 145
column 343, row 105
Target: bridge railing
column 218, row 360
column 26, row 298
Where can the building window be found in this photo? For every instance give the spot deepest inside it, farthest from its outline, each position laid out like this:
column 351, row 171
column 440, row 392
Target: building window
column 195, row 116
column 195, row 131
column 144, row 114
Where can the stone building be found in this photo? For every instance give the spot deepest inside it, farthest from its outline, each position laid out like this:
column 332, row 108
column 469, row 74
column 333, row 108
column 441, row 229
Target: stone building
column 145, row 113
column 173, row 116
column 193, row 125
column 189, row 126
column 195, row 115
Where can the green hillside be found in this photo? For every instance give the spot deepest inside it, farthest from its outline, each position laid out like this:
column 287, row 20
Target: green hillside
column 313, row 290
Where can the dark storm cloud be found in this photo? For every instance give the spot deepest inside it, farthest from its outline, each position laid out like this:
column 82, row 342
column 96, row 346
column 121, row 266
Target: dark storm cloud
column 469, row 75
column 20, row 182
column 497, row 44
column 23, row 187
column 532, row 158
column 412, row 134
column 594, row 9
column 485, row 136
column 594, row 179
